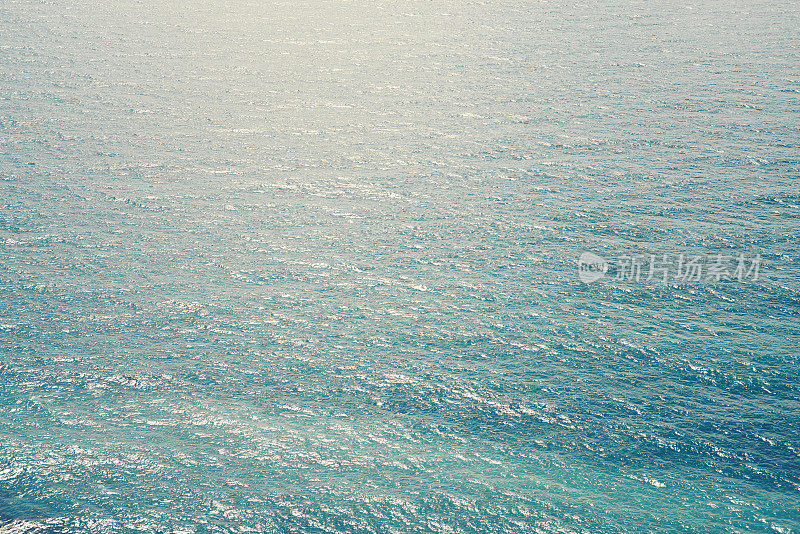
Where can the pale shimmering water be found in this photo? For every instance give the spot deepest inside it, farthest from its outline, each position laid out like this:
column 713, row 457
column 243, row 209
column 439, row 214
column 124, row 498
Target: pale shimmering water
column 311, row 266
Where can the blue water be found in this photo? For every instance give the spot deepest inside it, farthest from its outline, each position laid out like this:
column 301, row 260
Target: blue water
column 312, row 266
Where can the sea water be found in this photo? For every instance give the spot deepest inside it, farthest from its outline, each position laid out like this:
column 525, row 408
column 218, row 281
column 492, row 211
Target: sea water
column 316, row 266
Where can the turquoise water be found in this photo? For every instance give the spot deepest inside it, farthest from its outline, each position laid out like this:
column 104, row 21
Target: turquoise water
column 313, row 266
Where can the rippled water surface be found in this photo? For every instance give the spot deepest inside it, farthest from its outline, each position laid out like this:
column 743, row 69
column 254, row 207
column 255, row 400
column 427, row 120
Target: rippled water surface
column 311, row 266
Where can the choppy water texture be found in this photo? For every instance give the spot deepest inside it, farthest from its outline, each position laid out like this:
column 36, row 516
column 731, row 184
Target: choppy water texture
column 311, row 266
